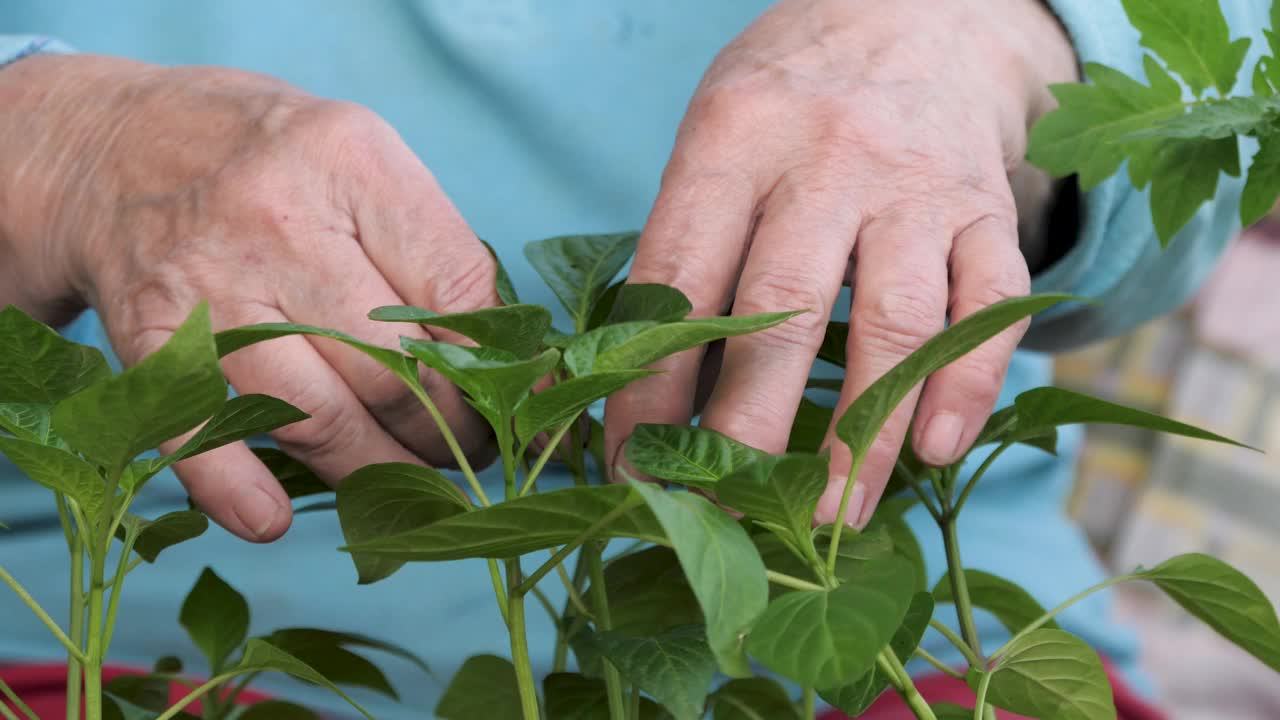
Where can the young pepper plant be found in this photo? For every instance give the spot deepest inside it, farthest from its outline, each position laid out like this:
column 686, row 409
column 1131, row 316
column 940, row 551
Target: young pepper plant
column 73, row 426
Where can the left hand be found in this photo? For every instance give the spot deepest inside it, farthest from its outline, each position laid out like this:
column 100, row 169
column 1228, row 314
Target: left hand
column 863, row 143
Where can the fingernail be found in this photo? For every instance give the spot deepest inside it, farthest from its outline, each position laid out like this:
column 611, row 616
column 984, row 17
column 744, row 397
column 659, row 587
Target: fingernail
column 256, row 509
column 942, row 439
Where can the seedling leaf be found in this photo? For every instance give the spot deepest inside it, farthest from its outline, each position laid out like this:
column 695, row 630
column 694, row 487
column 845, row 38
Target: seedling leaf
column 698, row 457
column 497, row 381
column 235, row 339
column 297, row 479
column 753, row 699
column 654, row 343
column 1050, row 674
column 484, row 687
column 517, row 329
column 579, row 268
column 26, row 421
column 566, row 400
column 216, row 617
column 649, row 594
column 277, row 710
column 260, row 655
column 155, row 536
column 37, row 365
column 59, row 471
column 1262, row 186
column 1013, row 606
column 645, row 301
column 675, row 668
column 1192, row 38
column 1043, row 409
column 781, row 493
column 854, row 699
column 570, row 696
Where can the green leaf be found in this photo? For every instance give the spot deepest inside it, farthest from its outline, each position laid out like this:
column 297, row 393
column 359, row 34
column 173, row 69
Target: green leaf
column 329, row 656
column 856, row 550
column 235, row 339
column 169, row 664
column 26, row 421
column 37, row 365
column 1185, row 177
column 241, row 417
column 1224, row 599
column 604, row 306
column 854, row 699
column 1003, row 426
column 1013, row 606
column 1262, row 186
column 570, row 696
column 506, row 289
column 216, row 617
column 484, row 687
column 826, row 638
column 385, row 499
column 648, row 593
column 654, row 343
column 145, row 692
column 497, row 381
column 1192, row 38
column 834, row 343
column 1052, row 675
column 1081, row 135
column 260, row 655
column 1213, row 120
column 861, row 423
column 155, row 536
column 579, row 268
column 781, row 493
column 277, row 710
column 59, row 471
column 644, row 301
column 581, row 351
column 675, row 668
column 1044, row 408
column 170, row 392
column 517, row 329
column 297, row 479
column 753, row 699
column 516, row 527
column 117, row 708
column 564, row 401
column 312, row 635
column 889, row 515
column 698, row 457
column 809, row 429
column 951, row 711
column 722, row 567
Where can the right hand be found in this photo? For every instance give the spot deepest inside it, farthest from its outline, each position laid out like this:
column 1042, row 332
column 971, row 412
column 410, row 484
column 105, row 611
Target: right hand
column 141, row 191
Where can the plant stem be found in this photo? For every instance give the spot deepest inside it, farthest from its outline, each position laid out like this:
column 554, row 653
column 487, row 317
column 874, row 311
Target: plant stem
column 75, row 656
column 918, row 489
column 941, row 666
column 980, row 707
column 600, row 600
column 8, row 714
column 790, row 581
column 499, row 591
column 545, row 602
column 95, row 648
column 634, row 713
column 544, row 456
column 905, row 687
column 571, row 591
column 977, row 475
column 230, row 699
column 1054, row 612
column 959, row 586
column 809, row 697
column 117, row 588
column 25, row 597
column 956, row 640
column 833, row 552
column 520, row 644
column 195, row 695
column 451, row 441
column 632, row 501
column 17, row 702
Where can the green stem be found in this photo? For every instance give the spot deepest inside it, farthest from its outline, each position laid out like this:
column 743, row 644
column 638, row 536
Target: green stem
column 980, row 707
column 941, row 666
column 451, row 441
column 75, row 669
column 117, row 589
column 977, row 475
column 833, row 552
column 194, row 695
column 632, row 501
column 906, row 688
column 17, row 702
column 571, row 591
column 604, row 623
column 239, row 687
column 1054, row 612
column 918, row 489
column 499, row 591
column 989, row 713
column 520, row 645
column 562, row 639
column 128, row 569
column 959, row 586
column 634, row 713
column 545, row 602
column 956, row 640
column 7, row 714
column 809, row 697
column 95, row 648
column 30, row 602
column 544, row 456
column 790, row 581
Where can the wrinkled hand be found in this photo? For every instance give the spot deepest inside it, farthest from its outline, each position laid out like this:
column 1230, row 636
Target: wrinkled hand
column 860, row 143
column 146, row 190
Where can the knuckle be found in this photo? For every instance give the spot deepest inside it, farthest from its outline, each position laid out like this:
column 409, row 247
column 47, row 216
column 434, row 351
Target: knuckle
column 467, row 281
column 785, row 290
column 331, row 429
column 897, row 322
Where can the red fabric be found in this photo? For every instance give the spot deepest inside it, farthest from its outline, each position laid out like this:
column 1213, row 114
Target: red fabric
column 944, row 688
column 43, row 687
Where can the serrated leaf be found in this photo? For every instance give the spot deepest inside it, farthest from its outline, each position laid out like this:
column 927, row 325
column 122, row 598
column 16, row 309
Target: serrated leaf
column 826, row 638
column 297, row 479
column 241, row 417
column 654, row 343
column 579, row 268
column 854, row 699
column 517, row 329
column 26, row 421
column 484, row 687
column 570, row 696
column 516, row 527
column 1013, row 606
column 1043, row 408
column 861, row 423
column 216, row 617
column 235, row 339
column 781, row 492
column 648, row 301
column 698, row 457
column 1192, row 38
column 155, row 536
column 675, row 667
column 722, row 566
column 753, row 699
column 506, row 289
column 564, row 401
column 496, row 381
column 37, row 365
column 1185, row 176
column 385, row 499
column 648, row 593
column 1224, row 599
column 1212, row 120
column 1052, row 675
column 260, row 655
column 277, row 710
column 1262, row 186
column 59, row 471
column 168, row 393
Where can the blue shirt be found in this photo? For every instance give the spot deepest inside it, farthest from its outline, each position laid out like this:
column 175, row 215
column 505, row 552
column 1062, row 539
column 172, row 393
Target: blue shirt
column 541, row 118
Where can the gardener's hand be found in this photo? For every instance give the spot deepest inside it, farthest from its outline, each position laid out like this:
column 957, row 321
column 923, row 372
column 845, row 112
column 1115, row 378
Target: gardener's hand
column 141, row 191
column 867, row 143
